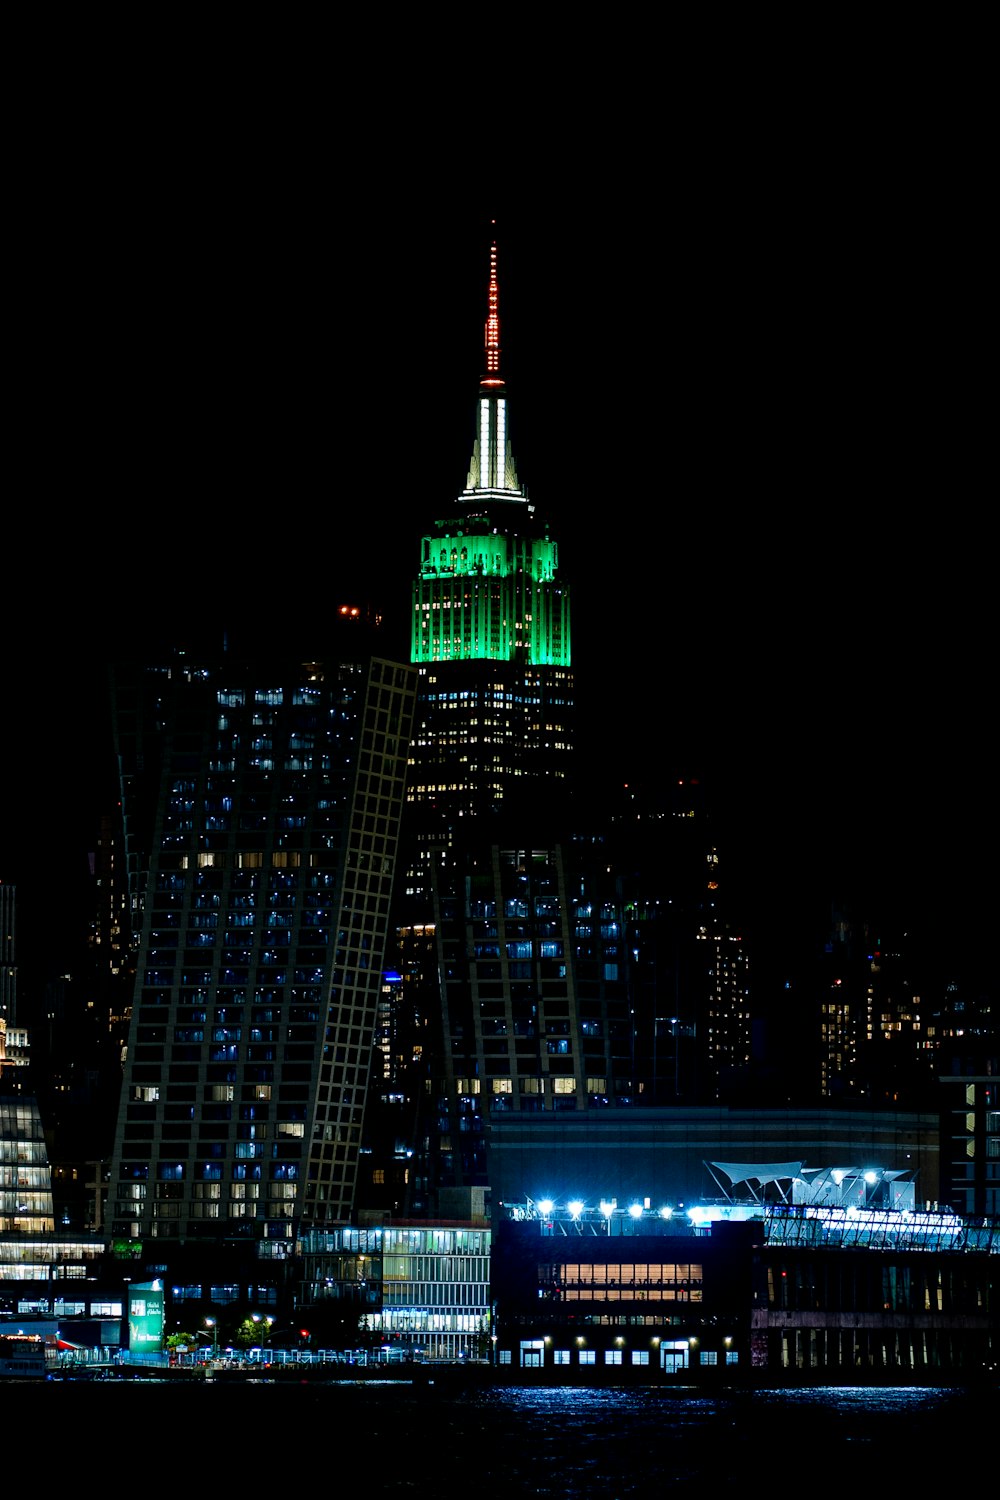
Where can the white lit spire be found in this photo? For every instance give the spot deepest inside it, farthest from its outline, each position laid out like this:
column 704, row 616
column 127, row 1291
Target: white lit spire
column 493, row 465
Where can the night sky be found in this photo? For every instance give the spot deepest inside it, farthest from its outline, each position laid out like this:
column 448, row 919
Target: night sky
column 745, row 398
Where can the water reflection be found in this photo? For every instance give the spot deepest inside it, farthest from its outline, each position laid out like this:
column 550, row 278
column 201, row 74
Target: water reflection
column 563, row 1443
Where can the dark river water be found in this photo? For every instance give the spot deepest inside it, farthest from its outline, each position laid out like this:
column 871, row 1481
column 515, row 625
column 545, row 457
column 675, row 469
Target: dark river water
column 153, row 1438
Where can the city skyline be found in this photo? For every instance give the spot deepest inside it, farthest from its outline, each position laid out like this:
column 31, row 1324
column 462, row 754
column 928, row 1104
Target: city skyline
column 739, row 481
column 742, row 341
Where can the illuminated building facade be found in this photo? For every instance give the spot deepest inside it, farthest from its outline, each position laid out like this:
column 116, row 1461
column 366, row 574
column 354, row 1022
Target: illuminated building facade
column 843, row 1279
column 25, row 1176
column 424, row 1289
column 41, row 1271
column 490, row 638
column 261, row 801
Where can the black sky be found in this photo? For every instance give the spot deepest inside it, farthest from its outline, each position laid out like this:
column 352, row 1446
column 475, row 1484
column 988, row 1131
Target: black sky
column 744, row 385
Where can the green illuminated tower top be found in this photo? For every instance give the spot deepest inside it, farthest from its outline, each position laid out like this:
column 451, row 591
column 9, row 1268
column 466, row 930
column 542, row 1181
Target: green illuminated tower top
column 487, row 588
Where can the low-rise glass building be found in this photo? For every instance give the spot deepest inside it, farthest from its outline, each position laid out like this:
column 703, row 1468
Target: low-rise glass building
column 421, row 1289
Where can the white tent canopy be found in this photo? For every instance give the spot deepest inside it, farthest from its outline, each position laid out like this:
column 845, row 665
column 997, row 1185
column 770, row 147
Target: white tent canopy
column 796, row 1183
column 761, row 1173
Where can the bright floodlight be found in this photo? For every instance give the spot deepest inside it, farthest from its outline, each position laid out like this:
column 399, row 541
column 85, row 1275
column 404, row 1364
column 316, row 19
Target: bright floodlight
column 545, row 1206
column 635, row 1209
column 607, row 1209
column 871, row 1177
column 666, row 1213
column 575, row 1208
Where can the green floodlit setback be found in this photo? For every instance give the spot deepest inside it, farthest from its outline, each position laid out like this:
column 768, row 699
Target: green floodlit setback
column 462, row 553
column 489, row 596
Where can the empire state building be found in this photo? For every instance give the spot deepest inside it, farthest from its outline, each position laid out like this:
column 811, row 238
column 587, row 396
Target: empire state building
column 482, row 949
column 490, row 638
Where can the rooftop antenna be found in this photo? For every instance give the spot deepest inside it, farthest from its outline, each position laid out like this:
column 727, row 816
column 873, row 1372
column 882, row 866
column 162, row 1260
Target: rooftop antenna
column 493, row 317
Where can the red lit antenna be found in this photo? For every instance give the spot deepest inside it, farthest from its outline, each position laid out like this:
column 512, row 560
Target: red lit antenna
column 493, row 321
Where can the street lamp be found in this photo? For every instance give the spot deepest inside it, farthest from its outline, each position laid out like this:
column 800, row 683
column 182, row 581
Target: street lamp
column 213, row 1325
column 261, row 1318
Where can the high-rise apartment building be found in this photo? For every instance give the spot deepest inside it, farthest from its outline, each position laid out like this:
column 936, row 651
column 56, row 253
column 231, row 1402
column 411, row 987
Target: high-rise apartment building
column 261, row 799
column 877, row 1039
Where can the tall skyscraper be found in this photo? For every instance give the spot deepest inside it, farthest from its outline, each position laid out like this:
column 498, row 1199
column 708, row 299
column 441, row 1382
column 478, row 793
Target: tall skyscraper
column 490, row 638
column 511, row 976
column 261, row 798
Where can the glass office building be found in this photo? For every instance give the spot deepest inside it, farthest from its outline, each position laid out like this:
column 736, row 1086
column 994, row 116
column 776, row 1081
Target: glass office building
column 421, row 1290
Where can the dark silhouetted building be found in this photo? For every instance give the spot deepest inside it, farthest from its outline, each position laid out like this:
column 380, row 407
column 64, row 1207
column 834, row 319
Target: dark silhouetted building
column 8, row 953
